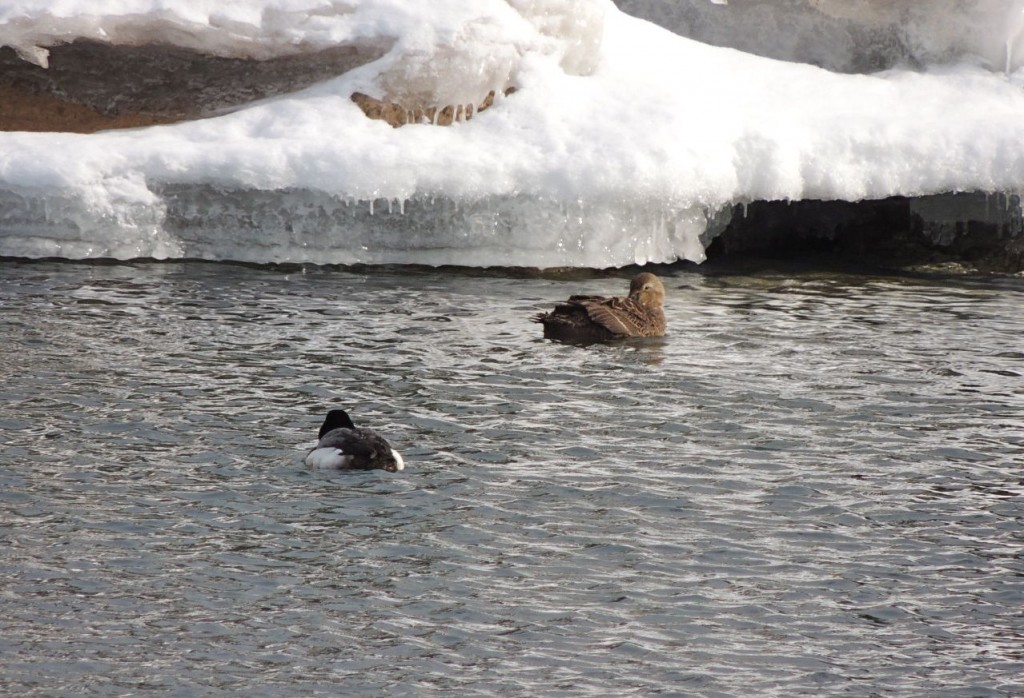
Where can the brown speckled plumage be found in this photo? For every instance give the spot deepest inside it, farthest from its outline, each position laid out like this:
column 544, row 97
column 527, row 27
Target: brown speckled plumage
column 596, row 318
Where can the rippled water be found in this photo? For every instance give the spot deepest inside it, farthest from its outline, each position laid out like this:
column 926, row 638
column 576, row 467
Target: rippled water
column 813, row 486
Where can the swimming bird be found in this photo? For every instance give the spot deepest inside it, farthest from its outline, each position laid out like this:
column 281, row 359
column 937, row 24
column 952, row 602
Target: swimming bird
column 596, row 318
column 342, row 446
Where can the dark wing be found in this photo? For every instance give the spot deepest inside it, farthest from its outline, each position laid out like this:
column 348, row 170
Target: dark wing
column 627, row 318
column 368, row 449
column 568, row 311
column 351, row 442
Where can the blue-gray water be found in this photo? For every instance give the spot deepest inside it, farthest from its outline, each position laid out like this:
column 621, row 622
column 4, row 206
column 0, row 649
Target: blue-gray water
column 813, row 486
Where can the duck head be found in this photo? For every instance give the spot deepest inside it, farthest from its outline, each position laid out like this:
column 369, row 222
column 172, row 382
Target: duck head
column 336, row 419
column 647, row 289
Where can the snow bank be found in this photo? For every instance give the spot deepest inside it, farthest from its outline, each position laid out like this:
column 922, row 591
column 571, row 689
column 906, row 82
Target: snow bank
column 624, row 143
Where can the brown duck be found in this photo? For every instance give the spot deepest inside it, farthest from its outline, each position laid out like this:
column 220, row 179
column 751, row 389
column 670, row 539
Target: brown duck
column 596, row 318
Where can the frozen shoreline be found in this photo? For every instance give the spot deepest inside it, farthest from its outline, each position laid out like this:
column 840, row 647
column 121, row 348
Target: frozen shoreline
column 623, row 143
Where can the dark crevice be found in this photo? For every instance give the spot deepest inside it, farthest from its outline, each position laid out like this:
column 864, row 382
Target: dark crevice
column 981, row 231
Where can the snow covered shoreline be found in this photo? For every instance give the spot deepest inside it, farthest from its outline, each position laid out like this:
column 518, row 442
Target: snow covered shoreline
column 623, row 143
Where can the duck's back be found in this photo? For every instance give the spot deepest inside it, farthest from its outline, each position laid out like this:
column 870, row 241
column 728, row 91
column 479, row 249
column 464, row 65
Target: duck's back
column 625, row 317
column 356, row 449
column 571, row 321
column 596, row 318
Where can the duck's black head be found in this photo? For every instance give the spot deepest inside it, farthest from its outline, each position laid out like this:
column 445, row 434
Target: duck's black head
column 336, row 419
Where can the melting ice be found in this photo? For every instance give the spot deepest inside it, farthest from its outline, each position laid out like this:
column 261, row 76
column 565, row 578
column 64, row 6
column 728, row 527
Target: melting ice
column 622, row 141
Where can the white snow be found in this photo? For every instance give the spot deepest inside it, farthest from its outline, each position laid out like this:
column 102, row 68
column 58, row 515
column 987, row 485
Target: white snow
column 623, row 143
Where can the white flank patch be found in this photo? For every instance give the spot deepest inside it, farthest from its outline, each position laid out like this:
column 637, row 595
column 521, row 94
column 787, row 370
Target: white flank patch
column 328, row 458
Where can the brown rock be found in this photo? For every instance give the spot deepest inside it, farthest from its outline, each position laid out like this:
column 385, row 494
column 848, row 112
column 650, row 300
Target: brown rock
column 397, row 115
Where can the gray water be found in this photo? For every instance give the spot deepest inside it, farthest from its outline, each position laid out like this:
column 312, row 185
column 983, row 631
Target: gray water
column 813, row 486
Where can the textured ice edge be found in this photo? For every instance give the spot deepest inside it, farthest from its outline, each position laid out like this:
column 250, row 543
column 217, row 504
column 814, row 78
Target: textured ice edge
column 303, row 226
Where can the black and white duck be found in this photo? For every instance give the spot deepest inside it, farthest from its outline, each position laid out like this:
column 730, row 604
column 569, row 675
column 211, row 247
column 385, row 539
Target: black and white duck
column 342, row 446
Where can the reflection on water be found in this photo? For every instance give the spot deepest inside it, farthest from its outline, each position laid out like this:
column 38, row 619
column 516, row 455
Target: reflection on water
column 812, row 486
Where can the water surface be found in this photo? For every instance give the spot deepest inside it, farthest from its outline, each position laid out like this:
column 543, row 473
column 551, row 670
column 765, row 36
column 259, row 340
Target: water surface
column 812, row 486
